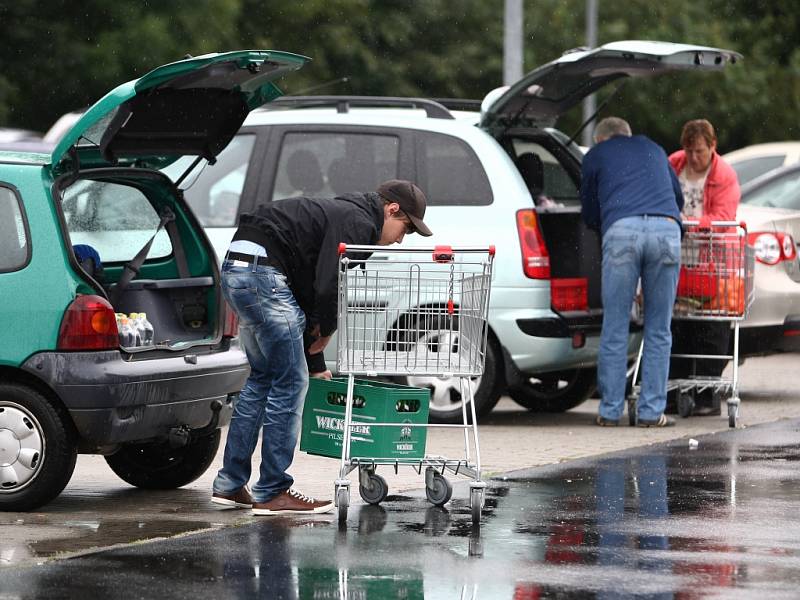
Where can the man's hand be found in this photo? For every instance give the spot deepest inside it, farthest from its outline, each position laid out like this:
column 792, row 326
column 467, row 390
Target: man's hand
column 318, row 345
column 323, row 375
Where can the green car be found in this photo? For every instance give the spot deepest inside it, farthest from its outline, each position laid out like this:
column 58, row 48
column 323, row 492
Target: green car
column 91, row 237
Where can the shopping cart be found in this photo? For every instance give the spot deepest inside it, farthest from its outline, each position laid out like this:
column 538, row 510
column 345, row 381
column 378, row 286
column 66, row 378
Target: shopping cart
column 390, row 300
column 715, row 284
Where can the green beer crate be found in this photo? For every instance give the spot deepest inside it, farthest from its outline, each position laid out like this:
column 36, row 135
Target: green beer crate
column 373, row 402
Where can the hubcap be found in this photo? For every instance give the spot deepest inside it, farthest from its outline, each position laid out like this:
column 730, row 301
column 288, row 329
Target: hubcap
column 21, row 447
column 445, row 391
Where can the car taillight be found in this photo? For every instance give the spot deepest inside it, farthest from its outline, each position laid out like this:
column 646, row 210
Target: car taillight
column 772, row 248
column 535, row 258
column 231, row 323
column 89, row 323
column 569, row 294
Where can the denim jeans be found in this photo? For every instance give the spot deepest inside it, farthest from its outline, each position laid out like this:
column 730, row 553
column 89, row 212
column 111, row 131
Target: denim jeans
column 271, row 328
column 634, row 247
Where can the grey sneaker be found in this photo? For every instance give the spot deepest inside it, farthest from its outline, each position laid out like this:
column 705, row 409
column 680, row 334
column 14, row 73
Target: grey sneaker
column 662, row 421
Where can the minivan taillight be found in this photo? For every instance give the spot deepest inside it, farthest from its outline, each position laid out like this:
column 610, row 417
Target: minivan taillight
column 535, row 258
column 569, row 294
column 772, row 248
column 230, row 327
column 89, row 323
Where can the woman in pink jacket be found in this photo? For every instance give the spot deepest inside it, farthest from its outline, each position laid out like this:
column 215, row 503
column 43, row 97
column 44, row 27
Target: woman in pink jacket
column 711, row 193
column 710, row 186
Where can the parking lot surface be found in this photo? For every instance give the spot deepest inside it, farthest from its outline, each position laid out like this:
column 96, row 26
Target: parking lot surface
column 97, row 510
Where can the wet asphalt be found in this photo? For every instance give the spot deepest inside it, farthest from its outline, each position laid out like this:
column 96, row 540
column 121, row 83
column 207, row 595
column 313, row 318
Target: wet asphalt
column 662, row 521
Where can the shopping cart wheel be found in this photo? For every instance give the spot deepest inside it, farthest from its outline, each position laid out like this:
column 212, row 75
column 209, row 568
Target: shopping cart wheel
column 685, row 404
column 439, row 490
column 733, row 412
column 376, row 491
column 342, row 502
column 476, row 504
column 632, row 414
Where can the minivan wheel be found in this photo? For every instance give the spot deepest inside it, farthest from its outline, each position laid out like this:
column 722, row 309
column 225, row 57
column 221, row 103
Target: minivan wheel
column 158, row 466
column 446, row 401
column 555, row 392
column 37, row 449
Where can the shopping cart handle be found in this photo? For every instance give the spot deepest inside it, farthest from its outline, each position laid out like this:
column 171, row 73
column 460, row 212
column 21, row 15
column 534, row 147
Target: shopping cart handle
column 443, row 254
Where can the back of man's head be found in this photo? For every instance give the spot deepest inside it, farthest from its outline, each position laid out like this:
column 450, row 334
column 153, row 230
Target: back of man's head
column 609, row 127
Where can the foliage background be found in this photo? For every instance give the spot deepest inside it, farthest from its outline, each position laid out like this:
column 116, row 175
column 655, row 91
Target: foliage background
column 61, row 55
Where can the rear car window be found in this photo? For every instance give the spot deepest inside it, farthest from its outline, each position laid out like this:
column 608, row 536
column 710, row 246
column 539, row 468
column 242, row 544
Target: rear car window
column 781, row 192
column 13, row 234
column 334, row 163
column 557, row 183
column 214, row 193
column 753, row 167
column 116, row 220
column 449, row 172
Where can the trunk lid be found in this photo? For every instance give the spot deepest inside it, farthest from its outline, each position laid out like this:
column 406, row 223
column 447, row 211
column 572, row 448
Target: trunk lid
column 189, row 107
column 544, row 94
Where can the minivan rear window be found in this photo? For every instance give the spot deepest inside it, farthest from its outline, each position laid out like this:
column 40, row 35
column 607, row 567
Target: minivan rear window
column 13, row 236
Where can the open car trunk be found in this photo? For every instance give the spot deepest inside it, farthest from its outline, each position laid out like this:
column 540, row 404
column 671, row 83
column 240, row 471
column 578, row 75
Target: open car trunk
column 178, row 309
column 111, row 216
column 575, row 250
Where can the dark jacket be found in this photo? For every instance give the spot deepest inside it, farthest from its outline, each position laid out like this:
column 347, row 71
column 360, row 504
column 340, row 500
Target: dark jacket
column 303, row 235
column 625, row 177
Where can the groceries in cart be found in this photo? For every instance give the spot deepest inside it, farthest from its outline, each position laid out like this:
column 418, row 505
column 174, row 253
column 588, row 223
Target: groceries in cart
column 712, row 277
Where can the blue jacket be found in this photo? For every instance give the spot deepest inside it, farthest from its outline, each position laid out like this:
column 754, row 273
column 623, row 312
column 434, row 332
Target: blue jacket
column 625, row 177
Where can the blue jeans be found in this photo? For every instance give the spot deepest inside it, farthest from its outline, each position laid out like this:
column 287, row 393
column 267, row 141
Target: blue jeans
column 648, row 247
column 271, row 328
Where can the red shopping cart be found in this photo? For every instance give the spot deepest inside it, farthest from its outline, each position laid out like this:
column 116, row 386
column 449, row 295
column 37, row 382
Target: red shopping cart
column 715, row 284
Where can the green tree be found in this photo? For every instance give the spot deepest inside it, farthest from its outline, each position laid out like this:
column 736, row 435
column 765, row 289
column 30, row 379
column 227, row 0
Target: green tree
column 59, row 55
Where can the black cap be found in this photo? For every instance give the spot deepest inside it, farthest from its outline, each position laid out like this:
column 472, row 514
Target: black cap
column 411, row 199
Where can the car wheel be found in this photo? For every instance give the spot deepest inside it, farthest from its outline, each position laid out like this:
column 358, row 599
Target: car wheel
column 555, row 392
column 158, row 466
column 37, row 449
column 446, row 400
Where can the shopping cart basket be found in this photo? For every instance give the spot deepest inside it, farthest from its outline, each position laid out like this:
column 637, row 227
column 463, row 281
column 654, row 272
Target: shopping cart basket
column 715, row 284
column 389, row 302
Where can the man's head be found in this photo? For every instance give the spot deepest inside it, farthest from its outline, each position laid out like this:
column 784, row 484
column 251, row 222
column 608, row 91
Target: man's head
column 699, row 142
column 610, row 127
column 403, row 211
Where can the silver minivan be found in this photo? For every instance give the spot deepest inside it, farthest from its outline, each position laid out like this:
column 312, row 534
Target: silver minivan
column 495, row 172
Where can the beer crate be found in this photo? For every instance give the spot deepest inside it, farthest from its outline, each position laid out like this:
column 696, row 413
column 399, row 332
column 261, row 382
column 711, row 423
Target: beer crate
column 373, row 402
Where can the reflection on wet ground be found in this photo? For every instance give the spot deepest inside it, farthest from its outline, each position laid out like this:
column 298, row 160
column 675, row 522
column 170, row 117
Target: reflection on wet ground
column 659, row 522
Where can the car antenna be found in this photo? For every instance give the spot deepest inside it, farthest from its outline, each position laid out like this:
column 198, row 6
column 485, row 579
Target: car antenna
column 321, row 85
column 594, row 114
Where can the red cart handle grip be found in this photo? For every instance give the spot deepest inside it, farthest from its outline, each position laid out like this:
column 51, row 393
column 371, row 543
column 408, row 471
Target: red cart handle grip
column 443, row 254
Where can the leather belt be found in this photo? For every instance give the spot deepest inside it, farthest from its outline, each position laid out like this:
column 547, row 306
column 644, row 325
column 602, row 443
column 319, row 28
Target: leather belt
column 251, row 258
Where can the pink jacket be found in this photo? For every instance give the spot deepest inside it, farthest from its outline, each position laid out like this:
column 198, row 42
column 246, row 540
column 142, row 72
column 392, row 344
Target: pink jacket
column 721, row 192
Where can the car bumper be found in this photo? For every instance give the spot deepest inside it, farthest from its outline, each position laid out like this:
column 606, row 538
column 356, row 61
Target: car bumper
column 112, row 400
column 759, row 341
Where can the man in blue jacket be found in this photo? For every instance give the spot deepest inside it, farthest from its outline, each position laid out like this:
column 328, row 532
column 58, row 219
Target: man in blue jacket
column 630, row 193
